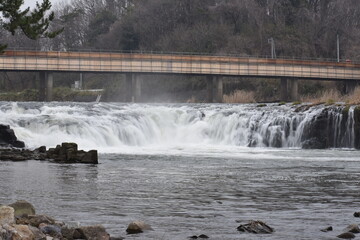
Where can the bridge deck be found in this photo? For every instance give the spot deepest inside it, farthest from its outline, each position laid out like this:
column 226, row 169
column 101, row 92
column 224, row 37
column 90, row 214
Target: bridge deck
column 175, row 64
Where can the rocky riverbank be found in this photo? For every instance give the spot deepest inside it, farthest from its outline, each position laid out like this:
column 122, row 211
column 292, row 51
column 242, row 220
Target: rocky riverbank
column 19, row 221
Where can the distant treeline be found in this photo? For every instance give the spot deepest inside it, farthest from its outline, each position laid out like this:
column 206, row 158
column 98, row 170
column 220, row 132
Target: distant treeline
column 300, row 28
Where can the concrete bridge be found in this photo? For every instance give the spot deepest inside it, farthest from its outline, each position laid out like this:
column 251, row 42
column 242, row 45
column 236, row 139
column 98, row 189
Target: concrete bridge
column 215, row 68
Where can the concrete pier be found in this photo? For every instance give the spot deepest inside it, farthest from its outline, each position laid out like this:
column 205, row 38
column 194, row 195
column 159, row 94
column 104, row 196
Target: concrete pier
column 46, row 86
column 219, row 89
column 128, row 85
column 210, row 88
column 349, row 86
column 137, row 88
column 284, row 90
column 294, row 96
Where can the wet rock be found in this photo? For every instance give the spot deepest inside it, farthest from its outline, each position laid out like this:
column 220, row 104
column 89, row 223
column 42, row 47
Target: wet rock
column 203, row 236
column 93, row 233
column 68, row 232
column 37, row 233
column 137, row 227
column 8, row 138
column 354, row 228
column 6, row 215
column 35, row 220
column 356, row 214
column 52, row 230
column 69, row 153
column 117, row 238
column 328, row 229
column 23, row 232
column 346, row 235
column 23, row 207
column 257, row 227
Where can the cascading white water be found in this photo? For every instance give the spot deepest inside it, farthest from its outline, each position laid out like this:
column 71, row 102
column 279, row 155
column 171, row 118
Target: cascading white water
column 125, row 127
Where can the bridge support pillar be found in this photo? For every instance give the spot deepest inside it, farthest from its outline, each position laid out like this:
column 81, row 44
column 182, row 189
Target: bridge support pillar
column 349, row 86
column 42, row 87
column 49, row 86
column 46, row 86
column 136, row 84
column 284, row 90
column 210, row 89
column 129, row 87
column 219, row 89
column 294, row 90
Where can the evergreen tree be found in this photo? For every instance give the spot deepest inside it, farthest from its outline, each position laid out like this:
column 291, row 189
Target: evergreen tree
column 34, row 24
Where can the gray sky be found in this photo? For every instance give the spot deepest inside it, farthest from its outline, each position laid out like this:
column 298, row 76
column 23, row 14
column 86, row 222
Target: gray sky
column 32, row 3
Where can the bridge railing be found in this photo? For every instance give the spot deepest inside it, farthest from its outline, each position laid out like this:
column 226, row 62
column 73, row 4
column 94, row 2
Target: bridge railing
column 170, row 53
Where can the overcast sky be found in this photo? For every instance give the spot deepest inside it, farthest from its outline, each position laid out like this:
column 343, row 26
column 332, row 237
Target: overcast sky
column 32, row 3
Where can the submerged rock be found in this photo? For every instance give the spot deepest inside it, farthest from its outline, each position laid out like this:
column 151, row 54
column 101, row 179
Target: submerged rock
column 356, row 214
column 257, row 227
column 137, row 227
column 328, row 229
column 354, row 228
column 23, row 207
column 97, row 232
column 346, row 235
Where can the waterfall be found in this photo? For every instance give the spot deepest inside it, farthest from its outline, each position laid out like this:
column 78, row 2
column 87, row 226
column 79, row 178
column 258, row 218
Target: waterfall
column 119, row 126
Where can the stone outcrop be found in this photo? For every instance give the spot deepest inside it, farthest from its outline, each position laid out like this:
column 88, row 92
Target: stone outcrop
column 8, row 138
column 332, row 127
column 69, row 153
column 64, row 153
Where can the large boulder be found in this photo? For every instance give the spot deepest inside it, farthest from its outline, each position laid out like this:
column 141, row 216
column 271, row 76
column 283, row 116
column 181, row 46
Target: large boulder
column 69, row 153
column 6, row 215
column 23, row 232
column 23, row 207
column 256, row 227
column 138, row 227
column 8, row 138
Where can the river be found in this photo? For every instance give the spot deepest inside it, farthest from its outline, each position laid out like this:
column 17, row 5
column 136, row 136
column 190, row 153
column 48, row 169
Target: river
column 184, row 169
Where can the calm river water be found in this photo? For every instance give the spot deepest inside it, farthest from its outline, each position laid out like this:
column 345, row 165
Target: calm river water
column 297, row 192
